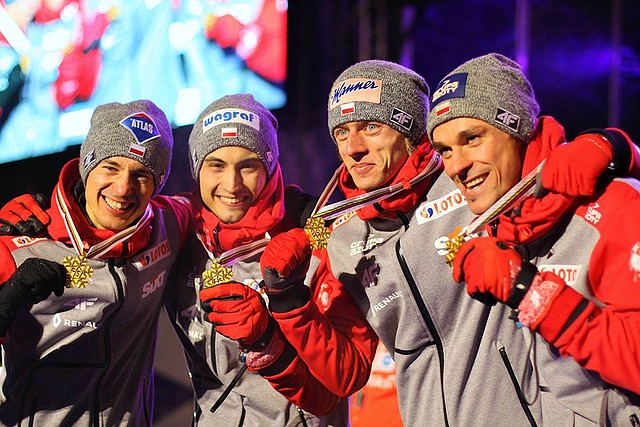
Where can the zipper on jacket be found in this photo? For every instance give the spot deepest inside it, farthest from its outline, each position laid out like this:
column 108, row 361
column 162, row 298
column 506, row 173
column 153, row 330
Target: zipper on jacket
column 106, row 335
column 516, row 385
column 428, row 320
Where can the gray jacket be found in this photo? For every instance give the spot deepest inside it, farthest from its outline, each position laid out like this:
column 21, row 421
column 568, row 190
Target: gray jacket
column 458, row 361
column 86, row 358
column 213, row 359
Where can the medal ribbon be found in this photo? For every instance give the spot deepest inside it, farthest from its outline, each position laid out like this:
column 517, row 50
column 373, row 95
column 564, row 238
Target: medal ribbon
column 518, row 192
column 78, row 271
column 337, row 209
column 220, row 271
column 315, row 227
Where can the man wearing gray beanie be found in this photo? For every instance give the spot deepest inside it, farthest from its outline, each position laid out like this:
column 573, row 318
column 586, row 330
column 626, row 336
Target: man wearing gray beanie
column 239, row 203
column 575, row 288
column 458, row 361
column 85, row 356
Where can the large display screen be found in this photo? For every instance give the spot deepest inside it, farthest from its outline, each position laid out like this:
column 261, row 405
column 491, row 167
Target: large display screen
column 59, row 59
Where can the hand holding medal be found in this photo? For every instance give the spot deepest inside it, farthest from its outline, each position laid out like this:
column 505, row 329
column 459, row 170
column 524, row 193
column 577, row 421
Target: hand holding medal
column 518, row 192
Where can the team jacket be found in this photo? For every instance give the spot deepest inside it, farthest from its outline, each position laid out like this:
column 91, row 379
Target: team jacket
column 86, row 358
column 214, row 359
column 453, row 355
column 593, row 244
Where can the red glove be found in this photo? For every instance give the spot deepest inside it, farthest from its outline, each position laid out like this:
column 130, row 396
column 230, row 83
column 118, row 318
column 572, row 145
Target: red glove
column 285, row 260
column 490, row 267
column 237, row 312
column 573, row 169
column 25, row 216
column 535, row 305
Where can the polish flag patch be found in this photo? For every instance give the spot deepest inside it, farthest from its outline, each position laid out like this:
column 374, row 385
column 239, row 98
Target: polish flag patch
column 348, row 108
column 443, row 108
column 229, row 132
column 137, row 150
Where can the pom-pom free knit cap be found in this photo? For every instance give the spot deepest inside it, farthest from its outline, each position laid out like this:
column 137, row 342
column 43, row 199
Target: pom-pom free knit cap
column 235, row 121
column 381, row 91
column 491, row 88
column 138, row 130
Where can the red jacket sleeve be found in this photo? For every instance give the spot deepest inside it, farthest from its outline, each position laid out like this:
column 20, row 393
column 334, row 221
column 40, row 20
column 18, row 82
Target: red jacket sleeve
column 7, row 264
column 605, row 338
column 181, row 207
column 299, row 386
column 329, row 332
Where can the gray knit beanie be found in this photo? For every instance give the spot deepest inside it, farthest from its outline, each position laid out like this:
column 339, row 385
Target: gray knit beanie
column 491, row 88
column 384, row 92
column 239, row 121
column 138, row 130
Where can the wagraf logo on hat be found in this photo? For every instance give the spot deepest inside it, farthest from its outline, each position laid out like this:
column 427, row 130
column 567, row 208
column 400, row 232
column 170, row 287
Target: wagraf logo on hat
column 141, row 126
column 230, row 115
column 351, row 90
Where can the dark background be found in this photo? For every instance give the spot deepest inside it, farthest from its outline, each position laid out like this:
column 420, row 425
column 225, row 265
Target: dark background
column 582, row 57
column 583, row 60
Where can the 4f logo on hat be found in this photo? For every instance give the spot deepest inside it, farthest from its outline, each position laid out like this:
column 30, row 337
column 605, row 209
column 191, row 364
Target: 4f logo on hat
column 402, row 119
column 508, row 119
column 89, row 158
column 141, row 126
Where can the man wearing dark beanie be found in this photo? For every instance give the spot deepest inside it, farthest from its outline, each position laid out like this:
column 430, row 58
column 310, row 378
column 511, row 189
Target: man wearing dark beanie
column 458, row 361
column 566, row 265
column 85, row 356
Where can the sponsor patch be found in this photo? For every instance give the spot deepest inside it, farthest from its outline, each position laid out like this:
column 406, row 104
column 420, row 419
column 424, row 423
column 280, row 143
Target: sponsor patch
column 137, row 150
column 634, row 262
column 346, row 109
column 442, row 108
column 194, row 158
column 324, row 296
column 230, row 115
column 141, row 126
column 89, row 158
column 434, row 209
column 508, row 119
column 593, row 215
column 342, row 219
column 152, row 256
column 153, row 285
column 229, row 132
column 351, row 90
column 401, row 118
column 22, row 241
column 453, row 86
column 568, row 273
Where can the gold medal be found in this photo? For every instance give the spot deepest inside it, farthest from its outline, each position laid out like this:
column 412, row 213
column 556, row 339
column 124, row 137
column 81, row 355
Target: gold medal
column 317, row 232
column 216, row 274
column 78, row 271
column 453, row 246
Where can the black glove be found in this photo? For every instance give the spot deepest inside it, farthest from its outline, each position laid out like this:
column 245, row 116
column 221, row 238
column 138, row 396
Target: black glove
column 32, row 282
column 25, row 216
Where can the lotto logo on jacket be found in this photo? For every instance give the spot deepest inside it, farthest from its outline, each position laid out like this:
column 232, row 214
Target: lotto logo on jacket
column 435, row 209
column 152, row 256
column 568, row 273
